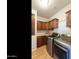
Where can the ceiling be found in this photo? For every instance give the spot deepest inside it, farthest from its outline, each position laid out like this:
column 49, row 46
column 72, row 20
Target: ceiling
column 55, row 6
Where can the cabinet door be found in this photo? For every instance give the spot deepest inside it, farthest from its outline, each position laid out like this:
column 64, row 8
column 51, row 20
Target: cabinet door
column 40, row 41
column 68, row 19
column 43, row 26
column 38, row 25
column 50, row 26
column 33, row 24
column 55, row 23
column 46, row 25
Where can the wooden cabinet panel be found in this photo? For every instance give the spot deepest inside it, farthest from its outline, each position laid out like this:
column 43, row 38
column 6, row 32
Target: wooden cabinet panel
column 42, row 25
column 33, row 24
column 39, row 25
column 68, row 18
column 47, row 25
column 52, row 24
column 55, row 23
column 40, row 41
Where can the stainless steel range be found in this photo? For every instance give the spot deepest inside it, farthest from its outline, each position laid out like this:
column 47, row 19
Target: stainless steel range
column 62, row 48
column 59, row 46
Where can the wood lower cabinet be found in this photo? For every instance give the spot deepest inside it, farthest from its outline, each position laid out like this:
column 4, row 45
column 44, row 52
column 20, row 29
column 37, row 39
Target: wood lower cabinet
column 41, row 41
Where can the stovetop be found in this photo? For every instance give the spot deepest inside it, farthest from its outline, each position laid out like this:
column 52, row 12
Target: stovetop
column 62, row 39
column 63, row 42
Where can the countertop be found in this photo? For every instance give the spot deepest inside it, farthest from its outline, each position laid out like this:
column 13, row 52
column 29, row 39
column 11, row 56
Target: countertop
column 65, row 43
column 43, row 34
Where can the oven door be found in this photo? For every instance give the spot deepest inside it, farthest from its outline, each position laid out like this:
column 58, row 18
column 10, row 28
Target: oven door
column 60, row 51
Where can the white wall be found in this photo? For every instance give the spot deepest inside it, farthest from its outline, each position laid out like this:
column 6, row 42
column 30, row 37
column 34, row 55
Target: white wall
column 34, row 37
column 62, row 19
column 34, row 43
column 42, row 19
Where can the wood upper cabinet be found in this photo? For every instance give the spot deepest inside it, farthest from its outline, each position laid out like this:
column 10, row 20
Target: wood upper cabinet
column 39, row 25
column 55, row 23
column 68, row 18
column 51, row 24
column 42, row 25
column 47, row 25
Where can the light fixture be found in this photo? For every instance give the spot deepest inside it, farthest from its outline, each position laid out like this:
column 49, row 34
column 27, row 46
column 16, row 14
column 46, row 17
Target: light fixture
column 44, row 3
